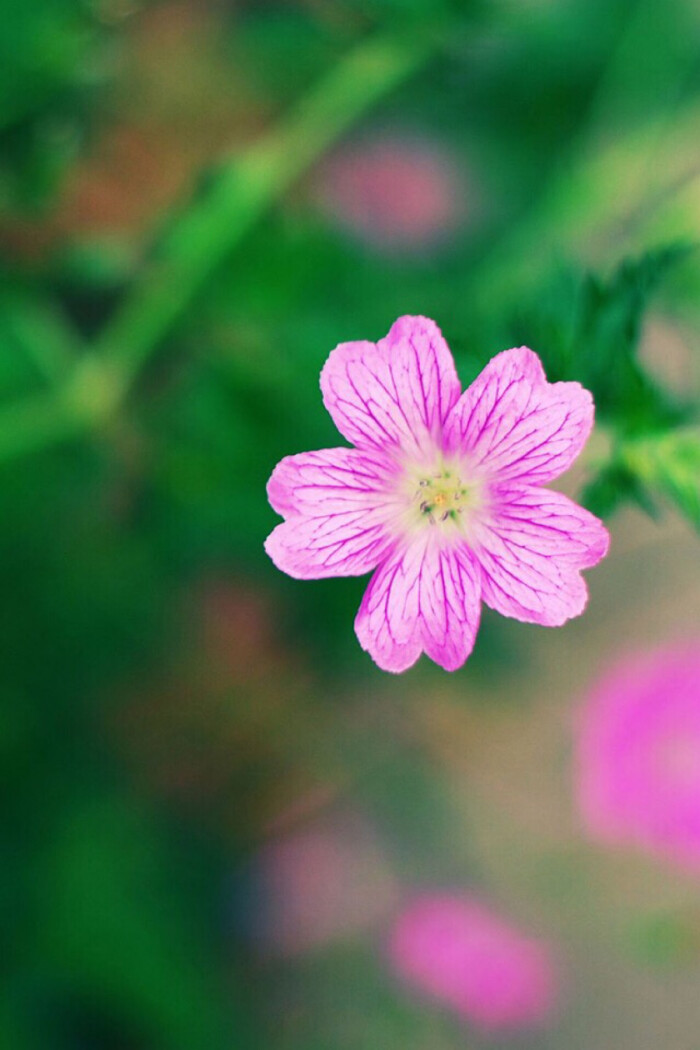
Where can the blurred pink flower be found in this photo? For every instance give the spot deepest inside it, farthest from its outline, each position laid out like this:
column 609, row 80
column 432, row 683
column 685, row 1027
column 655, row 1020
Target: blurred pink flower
column 393, row 193
column 319, row 885
column 638, row 753
column 455, row 949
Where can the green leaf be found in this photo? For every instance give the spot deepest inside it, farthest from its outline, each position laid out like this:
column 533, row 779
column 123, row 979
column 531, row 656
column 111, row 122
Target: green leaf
column 669, row 464
column 589, row 329
column 612, row 487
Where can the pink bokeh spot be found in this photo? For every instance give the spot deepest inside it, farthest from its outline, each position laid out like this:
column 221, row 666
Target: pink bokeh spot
column 320, row 885
column 457, row 951
column 394, row 192
column 638, row 754
column 441, row 496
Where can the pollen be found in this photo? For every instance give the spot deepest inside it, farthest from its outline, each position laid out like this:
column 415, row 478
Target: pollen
column 443, row 496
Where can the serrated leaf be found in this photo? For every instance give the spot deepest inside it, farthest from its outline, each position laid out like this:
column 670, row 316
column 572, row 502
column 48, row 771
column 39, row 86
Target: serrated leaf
column 588, row 329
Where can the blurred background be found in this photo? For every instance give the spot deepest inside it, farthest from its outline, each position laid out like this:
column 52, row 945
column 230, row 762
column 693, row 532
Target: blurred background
column 217, row 812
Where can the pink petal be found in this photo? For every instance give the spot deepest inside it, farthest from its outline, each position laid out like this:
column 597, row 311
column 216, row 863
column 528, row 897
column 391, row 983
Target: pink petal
column 338, row 504
column 455, row 949
column 638, row 753
column 424, row 598
column 531, row 551
column 515, row 424
column 393, row 394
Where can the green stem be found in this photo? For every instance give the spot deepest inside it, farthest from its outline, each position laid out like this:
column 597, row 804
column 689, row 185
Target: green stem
column 41, row 333
column 200, row 239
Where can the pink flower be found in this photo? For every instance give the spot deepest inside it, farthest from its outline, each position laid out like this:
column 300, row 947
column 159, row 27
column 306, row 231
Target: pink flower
column 638, row 753
column 394, row 193
column 440, row 496
column 457, row 951
column 320, row 885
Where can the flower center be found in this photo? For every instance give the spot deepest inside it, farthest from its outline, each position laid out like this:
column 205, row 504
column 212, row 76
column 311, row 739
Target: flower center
column 443, row 496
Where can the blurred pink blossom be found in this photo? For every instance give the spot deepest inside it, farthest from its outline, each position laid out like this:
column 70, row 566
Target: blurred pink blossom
column 393, row 192
column 456, row 950
column 319, row 885
column 638, row 753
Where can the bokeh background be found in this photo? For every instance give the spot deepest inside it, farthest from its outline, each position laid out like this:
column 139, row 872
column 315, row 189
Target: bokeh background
column 215, row 806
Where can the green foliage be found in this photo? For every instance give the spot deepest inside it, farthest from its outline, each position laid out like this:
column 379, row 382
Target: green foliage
column 668, row 464
column 112, row 924
column 53, row 60
column 589, row 330
column 612, row 487
column 603, row 349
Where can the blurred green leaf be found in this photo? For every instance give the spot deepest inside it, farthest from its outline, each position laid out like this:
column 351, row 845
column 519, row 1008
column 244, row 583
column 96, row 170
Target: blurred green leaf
column 614, row 485
column 52, row 59
column 669, row 464
column 113, row 925
column 33, row 331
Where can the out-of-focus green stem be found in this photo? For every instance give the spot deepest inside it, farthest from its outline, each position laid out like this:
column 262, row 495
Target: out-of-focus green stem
column 241, row 192
column 42, row 334
column 197, row 241
column 583, row 206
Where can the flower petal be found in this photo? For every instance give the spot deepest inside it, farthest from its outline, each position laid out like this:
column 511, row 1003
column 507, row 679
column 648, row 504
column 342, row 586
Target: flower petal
column 515, row 424
column 531, row 551
column 330, row 479
column 338, row 504
column 396, row 393
column 424, row 598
